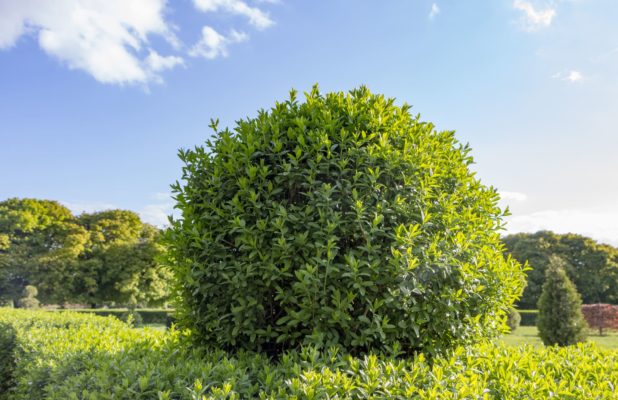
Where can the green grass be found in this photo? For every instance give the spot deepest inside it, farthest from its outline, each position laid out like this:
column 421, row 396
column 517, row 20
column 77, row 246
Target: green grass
column 158, row 327
column 529, row 335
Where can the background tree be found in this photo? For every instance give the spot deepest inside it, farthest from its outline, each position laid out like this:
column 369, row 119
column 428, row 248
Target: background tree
column 120, row 263
column 343, row 220
column 591, row 266
column 40, row 242
column 601, row 316
column 108, row 257
column 560, row 320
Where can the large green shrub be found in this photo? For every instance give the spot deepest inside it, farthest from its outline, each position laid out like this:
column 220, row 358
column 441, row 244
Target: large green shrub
column 560, row 320
column 343, row 220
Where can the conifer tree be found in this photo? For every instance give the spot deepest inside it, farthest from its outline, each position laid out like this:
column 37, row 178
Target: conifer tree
column 560, row 319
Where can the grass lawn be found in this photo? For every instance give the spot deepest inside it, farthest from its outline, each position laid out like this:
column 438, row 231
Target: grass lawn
column 528, row 335
column 159, row 327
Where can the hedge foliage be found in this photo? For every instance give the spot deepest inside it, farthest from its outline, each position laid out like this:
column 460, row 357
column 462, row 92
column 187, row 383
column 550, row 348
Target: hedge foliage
column 148, row 315
column 528, row 317
column 76, row 356
column 341, row 220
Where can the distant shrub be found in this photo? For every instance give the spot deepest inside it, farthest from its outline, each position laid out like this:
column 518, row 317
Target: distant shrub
column 29, row 299
column 601, row 316
column 560, row 320
column 132, row 318
column 340, row 221
column 148, row 315
column 513, row 319
column 64, row 356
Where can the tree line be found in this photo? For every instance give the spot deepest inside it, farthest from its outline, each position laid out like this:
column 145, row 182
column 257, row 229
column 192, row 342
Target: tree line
column 107, row 257
column 112, row 257
column 591, row 266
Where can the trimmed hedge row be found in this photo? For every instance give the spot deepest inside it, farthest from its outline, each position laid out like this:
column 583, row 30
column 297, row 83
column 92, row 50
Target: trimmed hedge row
column 528, row 317
column 80, row 356
column 149, row 316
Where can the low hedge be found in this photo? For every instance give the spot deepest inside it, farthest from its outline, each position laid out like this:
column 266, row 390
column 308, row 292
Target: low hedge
column 78, row 356
column 528, row 317
column 149, row 316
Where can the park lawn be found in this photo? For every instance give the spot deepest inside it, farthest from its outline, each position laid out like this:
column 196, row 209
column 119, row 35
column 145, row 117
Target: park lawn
column 529, row 335
column 158, row 327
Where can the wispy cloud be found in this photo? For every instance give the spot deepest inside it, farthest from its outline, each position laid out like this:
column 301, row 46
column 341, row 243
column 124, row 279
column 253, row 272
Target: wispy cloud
column 111, row 40
column 158, row 211
column 213, row 44
column 600, row 224
column 512, row 196
column 256, row 16
column 572, row 76
column 534, row 18
column 435, row 10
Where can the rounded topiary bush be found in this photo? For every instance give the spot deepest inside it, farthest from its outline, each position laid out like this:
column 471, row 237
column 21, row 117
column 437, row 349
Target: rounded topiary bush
column 513, row 319
column 342, row 220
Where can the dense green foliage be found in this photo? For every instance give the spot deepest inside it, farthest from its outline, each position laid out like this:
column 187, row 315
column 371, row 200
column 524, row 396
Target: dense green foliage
column 101, row 258
column 7, row 358
column 343, row 220
column 560, row 320
column 70, row 356
column 592, row 267
column 146, row 315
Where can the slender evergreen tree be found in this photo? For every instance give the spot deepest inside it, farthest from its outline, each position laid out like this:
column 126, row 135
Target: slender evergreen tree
column 560, row 319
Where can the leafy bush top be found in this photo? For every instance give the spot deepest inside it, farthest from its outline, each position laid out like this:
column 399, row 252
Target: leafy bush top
column 343, row 220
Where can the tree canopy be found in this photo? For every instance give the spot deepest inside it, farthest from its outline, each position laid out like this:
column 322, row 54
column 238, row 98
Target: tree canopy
column 103, row 257
column 591, row 266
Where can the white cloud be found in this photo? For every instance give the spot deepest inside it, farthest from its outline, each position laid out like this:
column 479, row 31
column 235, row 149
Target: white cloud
column 600, row 224
column 534, row 18
column 158, row 211
column 157, row 62
column 257, row 17
column 102, row 37
column 435, row 10
column 213, row 44
column 156, row 214
column 572, row 76
column 111, row 39
column 512, row 196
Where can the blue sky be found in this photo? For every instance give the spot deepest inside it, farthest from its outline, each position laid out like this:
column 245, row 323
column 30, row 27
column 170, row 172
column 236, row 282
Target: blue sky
column 96, row 96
